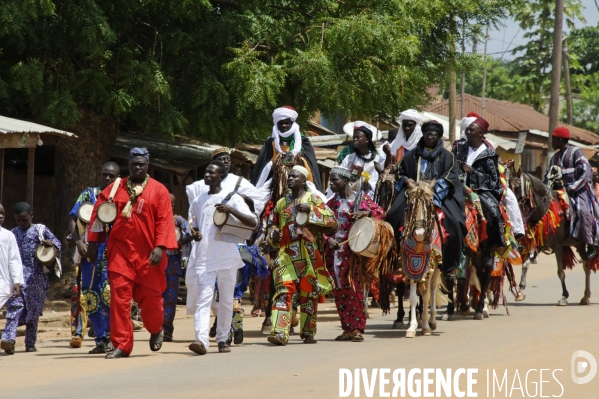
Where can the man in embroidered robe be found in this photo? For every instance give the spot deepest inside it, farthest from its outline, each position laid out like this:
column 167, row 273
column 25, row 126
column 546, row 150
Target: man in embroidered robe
column 299, row 265
column 577, row 178
column 142, row 231
column 27, row 308
column 349, row 296
column 94, row 290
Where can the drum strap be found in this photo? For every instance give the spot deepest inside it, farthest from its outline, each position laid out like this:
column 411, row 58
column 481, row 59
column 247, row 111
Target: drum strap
column 115, row 187
column 232, row 193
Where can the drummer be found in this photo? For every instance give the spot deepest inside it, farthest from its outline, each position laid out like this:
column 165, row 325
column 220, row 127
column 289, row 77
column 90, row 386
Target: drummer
column 299, row 265
column 94, row 291
column 213, row 256
column 349, row 296
column 26, row 308
column 174, row 270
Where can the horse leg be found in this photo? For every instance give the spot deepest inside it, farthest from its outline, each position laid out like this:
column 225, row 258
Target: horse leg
column 559, row 257
column 400, row 289
column 419, row 311
column 411, row 332
column 449, row 283
column 586, row 299
column 434, row 286
column 483, row 272
column 426, row 300
column 524, row 273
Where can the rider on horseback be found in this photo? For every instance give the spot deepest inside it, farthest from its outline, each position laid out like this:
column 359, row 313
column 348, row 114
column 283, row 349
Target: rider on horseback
column 576, row 177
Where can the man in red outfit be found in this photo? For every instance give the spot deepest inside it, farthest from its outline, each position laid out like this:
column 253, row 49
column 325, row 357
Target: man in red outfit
column 142, row 231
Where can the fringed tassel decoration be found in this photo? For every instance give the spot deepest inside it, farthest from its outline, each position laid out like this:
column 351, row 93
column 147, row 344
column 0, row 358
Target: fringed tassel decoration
column 569, row 259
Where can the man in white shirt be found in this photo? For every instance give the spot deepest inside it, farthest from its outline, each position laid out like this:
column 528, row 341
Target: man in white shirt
column 11, row 268
column 246, row 189
column 214, row 256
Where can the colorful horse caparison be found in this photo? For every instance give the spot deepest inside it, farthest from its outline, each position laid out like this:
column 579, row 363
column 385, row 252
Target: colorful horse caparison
column 544, row 214
column 421, row 254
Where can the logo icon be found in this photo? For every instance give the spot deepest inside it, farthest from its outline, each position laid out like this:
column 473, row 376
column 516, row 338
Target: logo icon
column 579, row 366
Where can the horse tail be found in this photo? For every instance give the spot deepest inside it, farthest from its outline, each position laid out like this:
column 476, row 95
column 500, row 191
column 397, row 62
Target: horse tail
column 568, row 258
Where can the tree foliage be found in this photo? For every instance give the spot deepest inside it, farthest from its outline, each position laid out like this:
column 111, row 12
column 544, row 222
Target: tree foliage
column 215, row 69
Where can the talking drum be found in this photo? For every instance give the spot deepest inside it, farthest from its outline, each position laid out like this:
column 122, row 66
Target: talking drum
column 229, row 224
column 45, row 255
column 311, row 222
column 85, row 212
column 365, row 236
column 301, row 219
column 107, row 212
column 178, row 233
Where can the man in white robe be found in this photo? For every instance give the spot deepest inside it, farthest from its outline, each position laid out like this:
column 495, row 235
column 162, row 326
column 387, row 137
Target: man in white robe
column 11, row 268
column 214, row 256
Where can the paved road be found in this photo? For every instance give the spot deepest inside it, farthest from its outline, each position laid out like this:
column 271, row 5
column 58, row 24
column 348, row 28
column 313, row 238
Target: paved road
column 537, row 335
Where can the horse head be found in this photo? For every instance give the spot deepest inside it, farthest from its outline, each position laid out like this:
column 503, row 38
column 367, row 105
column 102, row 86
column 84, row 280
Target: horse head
column 420, row 210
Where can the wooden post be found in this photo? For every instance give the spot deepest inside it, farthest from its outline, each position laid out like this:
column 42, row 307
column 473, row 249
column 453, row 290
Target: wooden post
column 1, row 174
column 556, row 63
column 30, row 175
column 484, row 88
column 567, row 84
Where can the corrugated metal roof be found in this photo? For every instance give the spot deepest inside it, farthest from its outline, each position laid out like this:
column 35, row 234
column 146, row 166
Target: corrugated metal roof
column 11, row 125
column 504, row 116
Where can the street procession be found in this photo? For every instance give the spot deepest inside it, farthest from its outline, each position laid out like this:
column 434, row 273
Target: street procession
column 347, row 198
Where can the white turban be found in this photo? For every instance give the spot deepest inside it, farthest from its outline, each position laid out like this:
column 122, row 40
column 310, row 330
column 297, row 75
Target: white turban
column 464, row 123
column 400, row 139
column 280, row 114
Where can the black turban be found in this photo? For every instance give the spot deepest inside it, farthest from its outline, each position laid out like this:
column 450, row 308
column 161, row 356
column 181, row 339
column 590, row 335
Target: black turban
column 434, row 126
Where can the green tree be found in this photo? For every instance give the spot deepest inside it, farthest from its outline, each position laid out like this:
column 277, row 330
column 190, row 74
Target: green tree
column 533, row 63
column 215, row 69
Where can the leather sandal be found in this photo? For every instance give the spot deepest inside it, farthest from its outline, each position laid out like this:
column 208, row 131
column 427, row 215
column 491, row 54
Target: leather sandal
column 357, row 336
column 116, row 354
column 346, row 336
column 156, row 341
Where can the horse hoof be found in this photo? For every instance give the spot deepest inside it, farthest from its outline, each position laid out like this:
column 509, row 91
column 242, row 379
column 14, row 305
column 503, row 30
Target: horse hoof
column 562, row 302
column 478, row 316
column 521, row 296
column 449, row 317
column 585, row 301
column 397, row 325
column 486, row 314
column 433, row 326
column 410, row 334
column 426, row 332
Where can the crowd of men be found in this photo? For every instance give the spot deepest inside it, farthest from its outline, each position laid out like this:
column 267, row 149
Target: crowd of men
column 139, row 256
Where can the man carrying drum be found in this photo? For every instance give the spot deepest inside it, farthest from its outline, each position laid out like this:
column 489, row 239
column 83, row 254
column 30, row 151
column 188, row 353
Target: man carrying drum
column 94, row 289
column 214, row 256
column 349, row 296
column 299, row 265
column 142, row 230
column 26, row 308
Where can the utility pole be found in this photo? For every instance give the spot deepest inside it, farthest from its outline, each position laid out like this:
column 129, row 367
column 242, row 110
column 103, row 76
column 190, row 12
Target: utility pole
column 452, row 91
column 463, row 90
column 568, row 86
column 484, row 89
column 556, row 63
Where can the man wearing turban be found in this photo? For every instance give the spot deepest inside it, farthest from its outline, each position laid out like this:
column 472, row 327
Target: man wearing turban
column 408, row 136
column 286, row 138
column 577, row 178
column 435, row 162
column 143, row 229
column 479, row 163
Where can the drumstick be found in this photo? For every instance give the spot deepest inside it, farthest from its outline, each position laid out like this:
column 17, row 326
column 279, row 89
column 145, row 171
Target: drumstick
column 351, row 238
